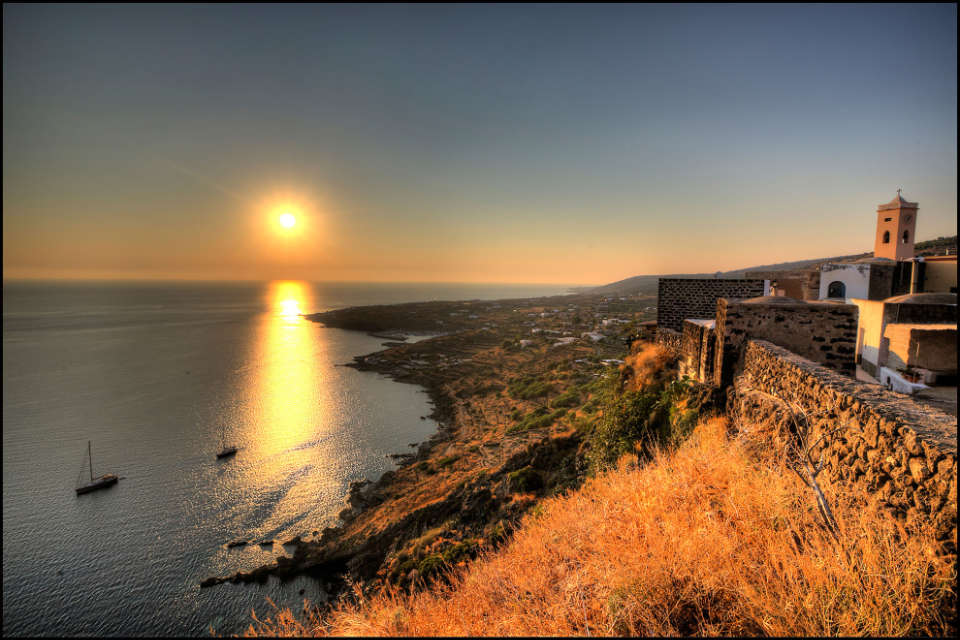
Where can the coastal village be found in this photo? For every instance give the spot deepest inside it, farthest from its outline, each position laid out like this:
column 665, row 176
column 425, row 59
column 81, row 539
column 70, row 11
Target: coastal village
column 864, row 350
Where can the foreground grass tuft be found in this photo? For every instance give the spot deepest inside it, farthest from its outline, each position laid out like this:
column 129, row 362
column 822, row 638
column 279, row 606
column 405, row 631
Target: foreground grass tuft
column 705, row 540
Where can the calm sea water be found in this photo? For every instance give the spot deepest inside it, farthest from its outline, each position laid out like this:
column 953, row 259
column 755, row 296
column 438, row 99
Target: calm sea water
column 160, row 376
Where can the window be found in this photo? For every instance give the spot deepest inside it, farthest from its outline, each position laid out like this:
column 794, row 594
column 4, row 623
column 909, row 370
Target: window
column 906, row 237
column 886, row 237
column 837, row 290
column 887, row 219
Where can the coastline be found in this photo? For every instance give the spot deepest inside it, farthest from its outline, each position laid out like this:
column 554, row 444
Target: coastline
column 466, row 485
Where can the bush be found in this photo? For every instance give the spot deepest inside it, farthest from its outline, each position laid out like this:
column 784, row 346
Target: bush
column 680, row 418
column 446, row 461
column 537, row 419
column 529, row 388
column 430, row 564
column 460, row 551
column 425, row 467
column 626, row 420
column 525, row 480
column 570, row 398
column 656, row 415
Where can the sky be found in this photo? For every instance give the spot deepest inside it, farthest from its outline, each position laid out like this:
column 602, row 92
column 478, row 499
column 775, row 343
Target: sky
column 574, row 144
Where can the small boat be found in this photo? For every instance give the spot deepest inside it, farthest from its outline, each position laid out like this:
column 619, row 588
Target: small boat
column 104, row 481
column 226, row 453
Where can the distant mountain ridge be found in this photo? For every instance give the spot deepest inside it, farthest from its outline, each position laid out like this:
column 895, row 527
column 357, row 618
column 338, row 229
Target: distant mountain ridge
column 647, row 284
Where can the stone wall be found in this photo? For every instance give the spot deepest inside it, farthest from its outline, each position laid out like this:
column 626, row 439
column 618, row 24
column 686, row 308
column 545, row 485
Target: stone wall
column 824, row 332
column 887, row 280
column 696, row 350
column 886, row 444
column 669, row 338
column 682, row 298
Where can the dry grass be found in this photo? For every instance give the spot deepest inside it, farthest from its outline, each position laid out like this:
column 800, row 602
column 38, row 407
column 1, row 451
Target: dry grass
column 704, row 540
column 648, row 365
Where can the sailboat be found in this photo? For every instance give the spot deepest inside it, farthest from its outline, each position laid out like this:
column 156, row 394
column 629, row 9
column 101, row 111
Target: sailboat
column 229, row 451
column 104, row 481
column 225, row 452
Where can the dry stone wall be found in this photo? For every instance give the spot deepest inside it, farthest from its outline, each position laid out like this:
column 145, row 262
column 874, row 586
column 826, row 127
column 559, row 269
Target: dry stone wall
column 682, row 298
column 886, row 444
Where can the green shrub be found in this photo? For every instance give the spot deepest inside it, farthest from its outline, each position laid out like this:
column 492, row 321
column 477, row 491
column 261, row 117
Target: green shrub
column 537, row 419
column 457, row 552
column 654, row 416
column 497, row 533
column 679, row 418
column 626, row 420
column 430, row 564
column 525, row 479
column 529, row 388
column 446, row 461
column 569, row 398
column 402, row 568
column 583, row 425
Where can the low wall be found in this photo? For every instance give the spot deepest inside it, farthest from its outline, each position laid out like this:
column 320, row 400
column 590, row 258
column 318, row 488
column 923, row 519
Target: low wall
column 886, row 444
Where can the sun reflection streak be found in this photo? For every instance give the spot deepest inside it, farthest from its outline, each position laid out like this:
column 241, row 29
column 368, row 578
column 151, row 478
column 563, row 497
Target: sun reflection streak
column 289, row 379
column 292, row 412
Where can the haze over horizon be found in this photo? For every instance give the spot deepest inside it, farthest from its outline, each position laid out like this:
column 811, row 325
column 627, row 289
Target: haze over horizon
column 430, row 143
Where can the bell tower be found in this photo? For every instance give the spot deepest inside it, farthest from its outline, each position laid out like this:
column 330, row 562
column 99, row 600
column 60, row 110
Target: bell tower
column 896, row 223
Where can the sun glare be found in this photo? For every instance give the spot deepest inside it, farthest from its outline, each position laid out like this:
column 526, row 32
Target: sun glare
column 287, row 220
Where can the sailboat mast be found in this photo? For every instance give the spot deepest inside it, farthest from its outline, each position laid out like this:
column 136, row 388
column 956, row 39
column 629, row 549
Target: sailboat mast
column 90, row 455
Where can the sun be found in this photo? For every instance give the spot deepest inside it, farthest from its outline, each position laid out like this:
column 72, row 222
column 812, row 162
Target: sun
column 287, row 220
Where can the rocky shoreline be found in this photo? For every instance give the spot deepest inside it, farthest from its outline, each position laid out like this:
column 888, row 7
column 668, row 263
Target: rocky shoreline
column 498, row 447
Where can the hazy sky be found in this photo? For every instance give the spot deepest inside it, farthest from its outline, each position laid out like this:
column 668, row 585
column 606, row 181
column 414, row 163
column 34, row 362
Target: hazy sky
column 571, row 144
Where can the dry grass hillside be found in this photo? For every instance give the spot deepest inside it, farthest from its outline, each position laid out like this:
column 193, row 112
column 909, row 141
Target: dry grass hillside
column 713, row 538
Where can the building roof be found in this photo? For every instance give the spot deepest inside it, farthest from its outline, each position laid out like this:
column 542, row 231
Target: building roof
column 897, row 203
column 874, row 260
column 913, row 326
column 772, row 300
column 924, row 298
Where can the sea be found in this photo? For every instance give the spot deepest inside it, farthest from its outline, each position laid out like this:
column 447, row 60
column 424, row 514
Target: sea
column 158, row 377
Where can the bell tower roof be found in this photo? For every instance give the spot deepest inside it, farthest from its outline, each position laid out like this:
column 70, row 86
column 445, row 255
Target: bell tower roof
column 897, row 203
